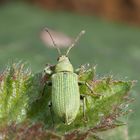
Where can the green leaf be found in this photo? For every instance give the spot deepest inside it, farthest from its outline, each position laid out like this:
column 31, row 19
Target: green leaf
column 25, row 96
column 39, row 97
column 86, row 72
column 13, row 86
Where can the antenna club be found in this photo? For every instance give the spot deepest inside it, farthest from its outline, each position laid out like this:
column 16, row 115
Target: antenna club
column 83, row 32
column 45, row 29
column 75, row 41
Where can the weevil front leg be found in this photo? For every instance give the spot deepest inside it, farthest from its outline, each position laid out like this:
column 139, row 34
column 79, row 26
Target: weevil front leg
column 47, row 83
column 46, row 77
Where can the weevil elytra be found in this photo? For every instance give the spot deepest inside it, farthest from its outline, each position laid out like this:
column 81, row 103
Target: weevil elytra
column 66, row 96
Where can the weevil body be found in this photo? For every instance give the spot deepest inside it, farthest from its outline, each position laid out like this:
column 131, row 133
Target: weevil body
column 65, row 91
column 65, row 98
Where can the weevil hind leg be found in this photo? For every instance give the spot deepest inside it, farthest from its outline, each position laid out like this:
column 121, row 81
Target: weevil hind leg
column 83, row 99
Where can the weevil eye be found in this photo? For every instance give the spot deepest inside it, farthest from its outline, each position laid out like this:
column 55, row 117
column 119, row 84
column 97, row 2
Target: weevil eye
column 62, row 58
column 58, row 58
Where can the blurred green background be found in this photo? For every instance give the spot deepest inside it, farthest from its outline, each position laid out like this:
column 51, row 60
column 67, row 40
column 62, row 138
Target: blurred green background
column 113, row 46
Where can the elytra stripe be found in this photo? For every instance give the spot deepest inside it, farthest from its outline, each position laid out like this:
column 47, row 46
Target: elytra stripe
column 65, row 95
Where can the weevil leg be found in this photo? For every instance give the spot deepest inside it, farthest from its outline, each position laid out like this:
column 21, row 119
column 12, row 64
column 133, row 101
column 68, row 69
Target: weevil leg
column 89, row 87
column 48, row 83
column 83, row 98
column 43, row 91
column 92, row 93
column 51, row 112
column 83, row 102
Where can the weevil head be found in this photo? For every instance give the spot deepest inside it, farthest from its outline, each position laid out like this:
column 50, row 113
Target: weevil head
column 63, row 61
column 63, row 64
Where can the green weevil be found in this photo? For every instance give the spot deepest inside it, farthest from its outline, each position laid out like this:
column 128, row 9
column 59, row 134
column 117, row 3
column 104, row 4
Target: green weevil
column 65, row 96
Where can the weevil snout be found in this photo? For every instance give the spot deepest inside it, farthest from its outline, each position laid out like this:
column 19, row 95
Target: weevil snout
column 62, row 58
column 64, row 64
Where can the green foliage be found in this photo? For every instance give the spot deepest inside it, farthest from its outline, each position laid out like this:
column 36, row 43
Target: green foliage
column 113, row 46
column 25, row 96
column 13, row 97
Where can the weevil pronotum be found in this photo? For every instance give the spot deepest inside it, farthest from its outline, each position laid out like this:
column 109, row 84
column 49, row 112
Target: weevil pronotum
column 66, row 96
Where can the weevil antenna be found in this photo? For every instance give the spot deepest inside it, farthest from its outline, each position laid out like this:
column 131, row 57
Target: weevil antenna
column 75, row 41
column 54, row 44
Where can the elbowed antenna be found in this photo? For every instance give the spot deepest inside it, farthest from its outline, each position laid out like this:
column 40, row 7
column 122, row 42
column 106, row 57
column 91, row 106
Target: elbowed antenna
column 54, row 44
column 75, row 41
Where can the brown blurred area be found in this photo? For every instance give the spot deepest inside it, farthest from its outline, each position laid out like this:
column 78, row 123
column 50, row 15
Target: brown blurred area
column 120, row 10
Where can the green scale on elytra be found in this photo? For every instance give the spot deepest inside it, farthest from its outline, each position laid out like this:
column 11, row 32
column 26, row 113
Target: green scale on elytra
column 65, row 96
